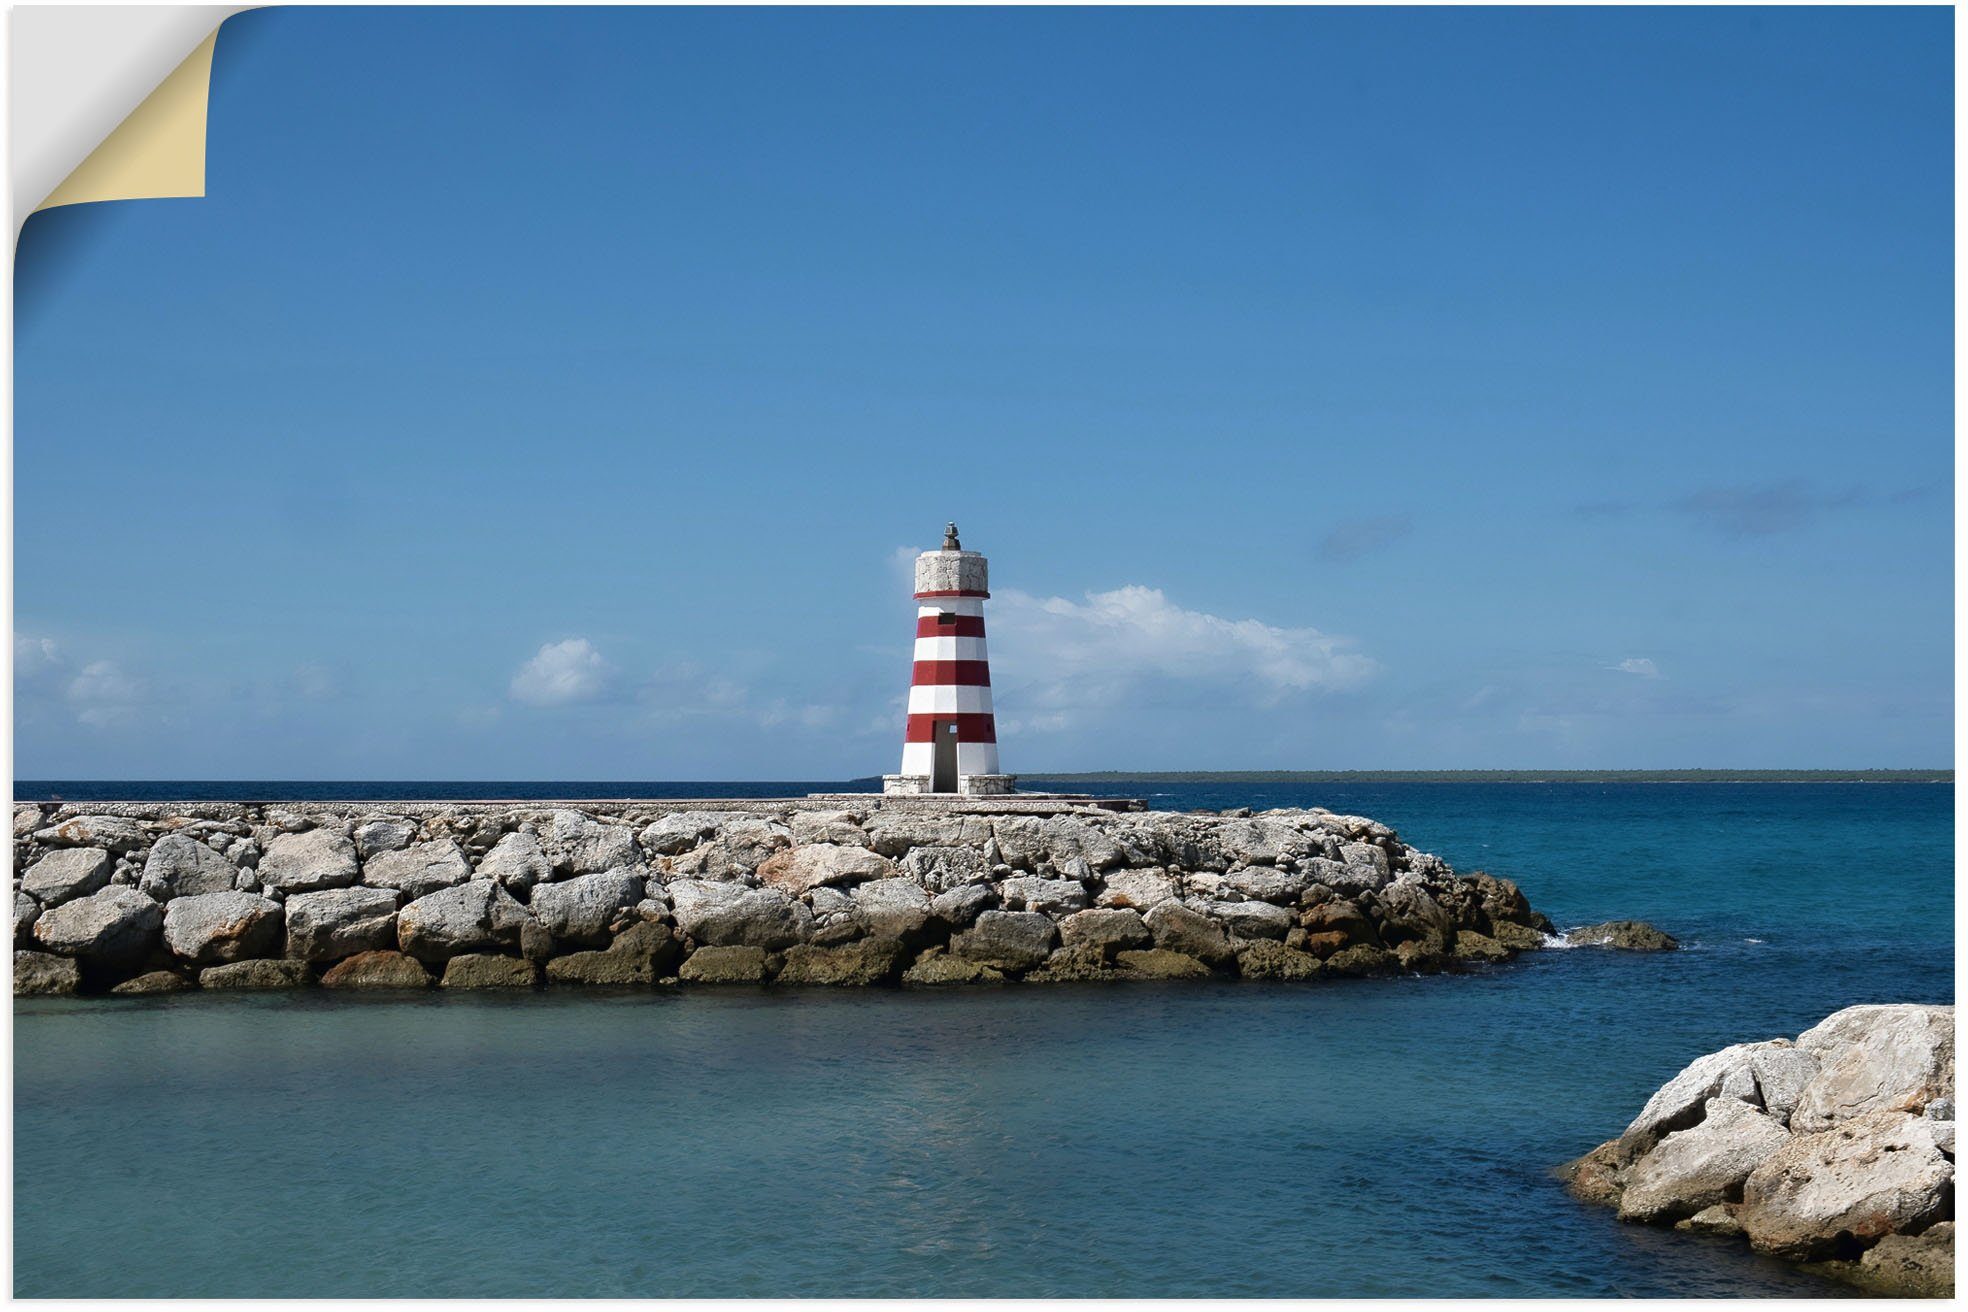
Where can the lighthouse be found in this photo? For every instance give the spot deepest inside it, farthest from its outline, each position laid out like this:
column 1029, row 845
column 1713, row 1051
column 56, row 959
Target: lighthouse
column 951, row 742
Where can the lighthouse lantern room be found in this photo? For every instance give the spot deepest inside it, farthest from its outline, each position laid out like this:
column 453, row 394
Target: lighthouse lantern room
column 951, row 743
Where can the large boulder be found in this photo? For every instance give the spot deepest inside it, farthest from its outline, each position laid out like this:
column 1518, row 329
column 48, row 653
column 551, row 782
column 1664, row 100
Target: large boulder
column 725, row 965
column 117, row 924
column 307, row 861
column 1139, row 890
column 152, row 984
column 1009, row 940
column 1703, row 1165
column 1769, row 1076
column 68, row 873
column 1876, row 1058
column 1269, row 959
column 942, row 867
column 640, row 954
column 517, row 861
column 871, row 961
column 731, row 915
column 418, row 869
column 680, row 831
column 339, row 922
column 383, row 834
column 959, row 907
column 1107, row 930
column 1869, row 1176
column 478, row 916
column 935, row 968
column 735, row 852
column 583, row 909
column 110, row 831
column 488, row 970
column 377, row 970
column 1909, row 1266
column 1182, row 929
column 579, row 844
column 1252, row 920
column 207, row 929
column 181, row 866
column 257, row 975
column 892, row 908
column 1054, row 896
column 26, row 912
column 44, row 973
column 1160, row 963
column 815, row 864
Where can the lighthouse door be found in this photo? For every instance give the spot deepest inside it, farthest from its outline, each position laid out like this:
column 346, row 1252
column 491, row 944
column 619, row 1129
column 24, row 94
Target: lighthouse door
column 943, row 764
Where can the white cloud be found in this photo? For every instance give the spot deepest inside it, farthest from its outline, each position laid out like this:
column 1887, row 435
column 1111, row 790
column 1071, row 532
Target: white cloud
column 103, row 695
column 562, row 674
column 36, row 657
column 1100, row 651
column 1640, row 665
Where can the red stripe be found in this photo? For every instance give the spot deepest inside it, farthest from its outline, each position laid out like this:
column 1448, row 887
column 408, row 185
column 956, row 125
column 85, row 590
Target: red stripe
column 971, row 728
column 960, row 626
column 960, row 592
column 964, row 674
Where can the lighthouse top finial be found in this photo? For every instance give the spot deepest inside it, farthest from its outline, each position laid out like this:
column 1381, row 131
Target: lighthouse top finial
column 950, row 542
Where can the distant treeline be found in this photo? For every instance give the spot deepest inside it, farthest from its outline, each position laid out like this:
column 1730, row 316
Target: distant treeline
column 1501, row 777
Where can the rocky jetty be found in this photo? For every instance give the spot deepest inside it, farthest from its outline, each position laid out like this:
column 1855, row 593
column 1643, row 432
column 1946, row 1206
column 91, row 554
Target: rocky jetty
column 1834, row 1149
column 848, row 890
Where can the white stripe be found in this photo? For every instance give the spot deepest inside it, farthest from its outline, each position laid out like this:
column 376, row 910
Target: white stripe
column 919, row 758
column 950, row 606
column 950, row 649
column 977, row 758
column 948, row 699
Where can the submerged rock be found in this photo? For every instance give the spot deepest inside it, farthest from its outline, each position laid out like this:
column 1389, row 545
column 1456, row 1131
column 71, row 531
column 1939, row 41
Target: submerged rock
column 153, row 983
column 377, row 970
column 725, row 965
column 43, row 972
column 937, row 967
column 257, row 975
column 1629, row 935
column 871, row 961
column 480, row 970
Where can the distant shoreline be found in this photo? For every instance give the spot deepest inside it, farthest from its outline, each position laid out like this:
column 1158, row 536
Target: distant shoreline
column 1503, row 776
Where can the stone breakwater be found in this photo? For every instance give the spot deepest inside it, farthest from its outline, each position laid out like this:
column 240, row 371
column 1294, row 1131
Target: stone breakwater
column 142, row 898
column 1835, row 1149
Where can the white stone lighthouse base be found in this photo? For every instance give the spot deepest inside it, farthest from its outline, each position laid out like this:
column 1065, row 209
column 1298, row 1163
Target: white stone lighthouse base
column 968, row 785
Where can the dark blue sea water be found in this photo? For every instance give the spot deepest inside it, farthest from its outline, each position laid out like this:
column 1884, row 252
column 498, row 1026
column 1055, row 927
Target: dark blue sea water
column 1351, row 1138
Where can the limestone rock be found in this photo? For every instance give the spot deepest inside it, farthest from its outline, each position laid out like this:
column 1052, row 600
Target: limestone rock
column 1252, row 920
column 1518, row 938
column 1343, row 917
column 724, row 965
column 68, row 873
column 1073, row 965
column 1178, row 928
column 1030, row 893
column 207, row 929
column 1267, row 959
column 110, row 831
column 737, row 851
column 837, row 827
column 151, row 984
column 730, row 915
column 1361, row 960
column 308, row 861
column 1107, row 930
column 1630, row 935
column 1769, row 1076
column 26, row 911
column 485, row 970
column 1009, row 940
column 418, row 869
column 581, row 909
column 377, row 970
column 814, row 864
column 1472, row 946
column 959, row 907
column 1719, row 1219
column 940, row 868
column 1874, row 1058
column 1136, row 889
column 181, row 866
column 256, row 975
column 680, row 831
column 641, row 954
column 1701, row 1166
column 478, row 916
column 339, row 922
column 936, row 967
column 1160, row 963
column 871, row 961
column 1265, row 884
column 516, row 861
column 579, row 844
column 383, row 834
column 116, row 924
column 1910, row 1266
column 1865, row 1178
column 892, row 908
column 42, row 972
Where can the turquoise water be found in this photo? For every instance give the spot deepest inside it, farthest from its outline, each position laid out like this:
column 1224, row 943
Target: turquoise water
column 1354, row 1138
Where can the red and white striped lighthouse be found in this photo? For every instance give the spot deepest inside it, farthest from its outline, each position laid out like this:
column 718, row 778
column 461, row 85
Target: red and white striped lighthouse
column 951, row 743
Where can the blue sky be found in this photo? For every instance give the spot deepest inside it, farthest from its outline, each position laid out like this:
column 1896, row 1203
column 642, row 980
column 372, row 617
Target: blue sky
column 560, row 393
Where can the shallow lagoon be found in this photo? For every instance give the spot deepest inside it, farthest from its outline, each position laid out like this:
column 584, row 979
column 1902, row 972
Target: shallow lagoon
column 1352, row 1138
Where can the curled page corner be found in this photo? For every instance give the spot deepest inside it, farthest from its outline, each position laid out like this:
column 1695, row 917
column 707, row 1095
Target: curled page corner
column 109, row 102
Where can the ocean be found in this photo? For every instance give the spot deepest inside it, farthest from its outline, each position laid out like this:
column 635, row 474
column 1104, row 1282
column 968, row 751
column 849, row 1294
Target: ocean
column 1351, row 1138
